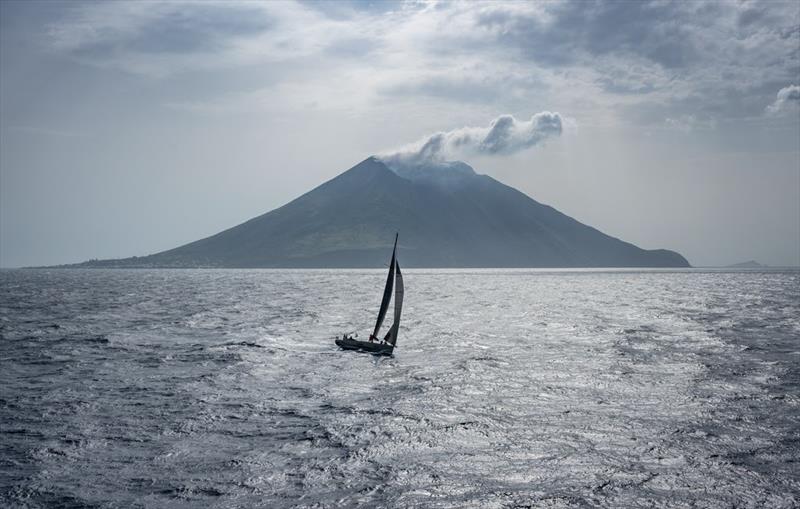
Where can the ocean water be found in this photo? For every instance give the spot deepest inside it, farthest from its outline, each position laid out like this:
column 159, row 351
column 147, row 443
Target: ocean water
column 508, row 388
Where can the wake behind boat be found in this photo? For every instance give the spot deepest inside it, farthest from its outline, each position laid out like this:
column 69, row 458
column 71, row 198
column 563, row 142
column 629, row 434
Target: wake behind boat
column 386, row 345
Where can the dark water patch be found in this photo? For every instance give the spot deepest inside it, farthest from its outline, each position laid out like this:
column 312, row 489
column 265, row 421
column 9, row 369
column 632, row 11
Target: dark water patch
column 242, row 343
column 100, row 340
column 24, row 496
column 78, row 338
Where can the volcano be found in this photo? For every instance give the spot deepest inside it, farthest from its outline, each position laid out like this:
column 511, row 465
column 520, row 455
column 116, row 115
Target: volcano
column 447, row 216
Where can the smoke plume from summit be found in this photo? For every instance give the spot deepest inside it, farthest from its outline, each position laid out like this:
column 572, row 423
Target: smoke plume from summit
column 504, row 135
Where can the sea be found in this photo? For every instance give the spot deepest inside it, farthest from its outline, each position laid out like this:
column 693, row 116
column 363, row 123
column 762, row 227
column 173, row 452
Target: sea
column 508, row 388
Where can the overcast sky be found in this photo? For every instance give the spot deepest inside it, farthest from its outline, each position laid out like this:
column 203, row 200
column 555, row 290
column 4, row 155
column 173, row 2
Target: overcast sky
column 130, row 128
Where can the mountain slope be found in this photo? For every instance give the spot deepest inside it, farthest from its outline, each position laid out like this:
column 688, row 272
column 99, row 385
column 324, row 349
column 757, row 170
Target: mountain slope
column 447, row 217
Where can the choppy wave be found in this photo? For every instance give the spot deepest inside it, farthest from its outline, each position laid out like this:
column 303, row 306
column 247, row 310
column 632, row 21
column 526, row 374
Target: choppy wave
column 507, row 389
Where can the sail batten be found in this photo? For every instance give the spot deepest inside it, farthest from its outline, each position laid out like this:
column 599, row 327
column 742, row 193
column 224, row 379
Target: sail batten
column 387, row 291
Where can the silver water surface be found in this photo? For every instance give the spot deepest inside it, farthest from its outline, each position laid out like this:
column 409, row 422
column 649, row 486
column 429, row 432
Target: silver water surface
column 508, row 388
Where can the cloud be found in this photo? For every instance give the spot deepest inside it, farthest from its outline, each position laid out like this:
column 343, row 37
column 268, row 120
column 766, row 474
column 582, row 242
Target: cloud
column 652, row 52
column 156, row 28
column 788, row 99
column 163, row 38
column 608, row 62
column 567, row 32
column 505, row 135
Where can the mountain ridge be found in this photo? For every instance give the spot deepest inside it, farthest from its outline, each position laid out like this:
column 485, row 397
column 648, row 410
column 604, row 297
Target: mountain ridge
column 454, row 218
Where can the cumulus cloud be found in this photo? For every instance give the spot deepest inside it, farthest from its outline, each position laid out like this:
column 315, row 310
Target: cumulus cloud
column 788, row 98
column 504, row 135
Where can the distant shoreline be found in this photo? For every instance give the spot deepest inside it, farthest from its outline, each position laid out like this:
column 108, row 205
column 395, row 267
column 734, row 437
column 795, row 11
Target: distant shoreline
column 765, row 268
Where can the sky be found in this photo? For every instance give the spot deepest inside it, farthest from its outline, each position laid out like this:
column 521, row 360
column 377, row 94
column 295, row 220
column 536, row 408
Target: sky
column 131, row 128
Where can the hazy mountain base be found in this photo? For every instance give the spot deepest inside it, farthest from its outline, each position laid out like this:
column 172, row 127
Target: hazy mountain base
column 447, row 216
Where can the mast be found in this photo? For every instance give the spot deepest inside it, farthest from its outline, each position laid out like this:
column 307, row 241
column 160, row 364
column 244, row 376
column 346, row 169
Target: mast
column 391, row 336
column 387, row 291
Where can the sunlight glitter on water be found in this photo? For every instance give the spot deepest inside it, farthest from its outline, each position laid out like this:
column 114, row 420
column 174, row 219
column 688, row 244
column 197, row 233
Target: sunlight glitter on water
column 508, row 388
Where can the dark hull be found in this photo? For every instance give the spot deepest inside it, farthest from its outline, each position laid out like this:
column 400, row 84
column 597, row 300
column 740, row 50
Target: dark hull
column 365, row 346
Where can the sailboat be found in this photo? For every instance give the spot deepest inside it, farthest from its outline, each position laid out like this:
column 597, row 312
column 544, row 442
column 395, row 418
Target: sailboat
column 383, row 346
